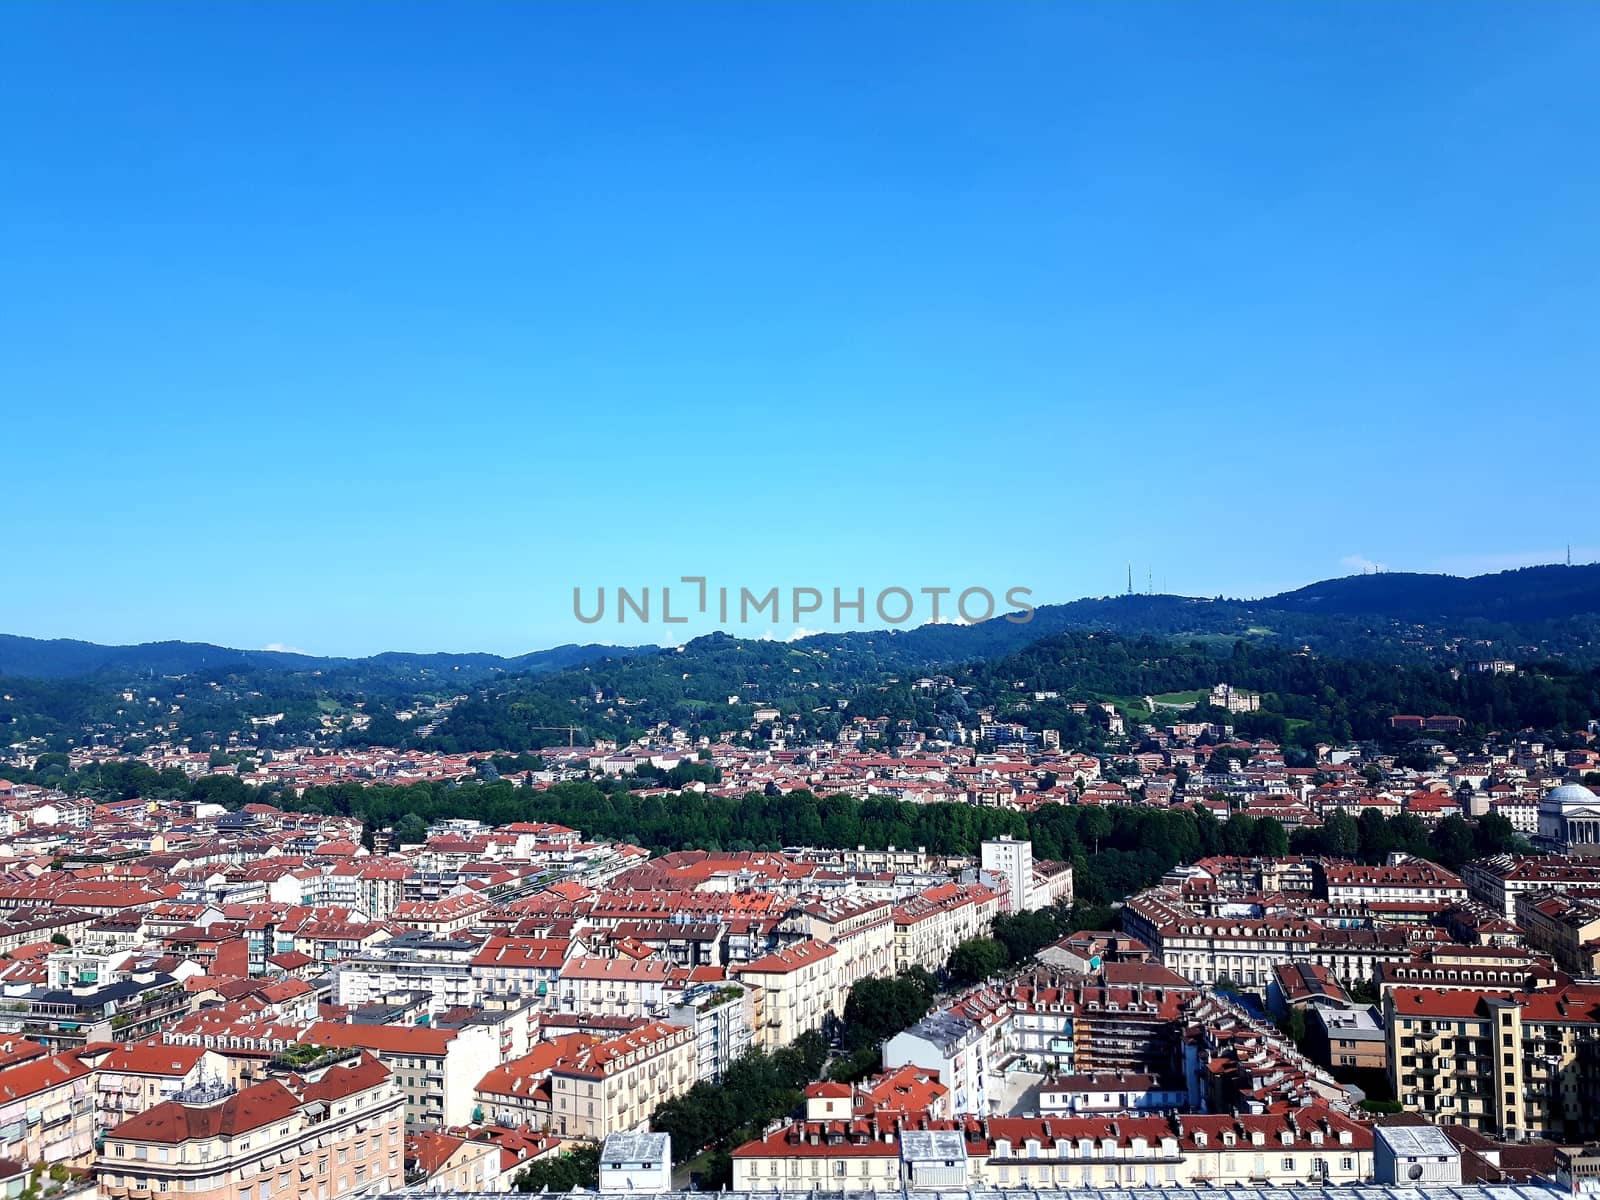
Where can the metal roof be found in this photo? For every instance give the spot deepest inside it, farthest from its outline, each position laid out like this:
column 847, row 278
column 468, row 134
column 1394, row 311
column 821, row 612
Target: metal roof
column 1417, row 1141
column 634, row 1148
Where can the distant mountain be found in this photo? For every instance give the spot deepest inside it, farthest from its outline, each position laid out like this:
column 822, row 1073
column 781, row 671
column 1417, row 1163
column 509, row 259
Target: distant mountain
column 1551, row 609
column 1548, row 593
column 64, row 658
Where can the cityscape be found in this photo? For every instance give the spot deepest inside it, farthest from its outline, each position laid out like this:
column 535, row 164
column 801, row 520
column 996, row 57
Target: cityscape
column 813, row 600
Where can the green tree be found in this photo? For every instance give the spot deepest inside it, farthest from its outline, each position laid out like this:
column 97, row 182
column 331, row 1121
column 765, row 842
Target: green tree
column 411, row 829
column 976, row 959
column 577, row 1168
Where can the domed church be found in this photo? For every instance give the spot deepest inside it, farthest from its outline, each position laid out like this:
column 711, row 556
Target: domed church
column 1569, row 821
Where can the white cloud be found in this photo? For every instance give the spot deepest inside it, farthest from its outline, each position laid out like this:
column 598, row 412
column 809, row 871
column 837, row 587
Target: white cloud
column 282, row 648
column 800, row 631
column 1361, row 564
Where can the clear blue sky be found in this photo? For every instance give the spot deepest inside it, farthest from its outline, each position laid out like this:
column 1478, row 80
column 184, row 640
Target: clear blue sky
column 367, row 326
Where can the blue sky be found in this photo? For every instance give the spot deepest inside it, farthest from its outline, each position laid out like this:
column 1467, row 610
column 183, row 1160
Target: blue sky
column 369, row 326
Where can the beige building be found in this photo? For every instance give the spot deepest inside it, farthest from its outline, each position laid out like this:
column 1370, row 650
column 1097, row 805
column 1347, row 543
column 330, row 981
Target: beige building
column 47, row 1111
column 1307, row 1145
column 1512, row 1063
column 1567, row 928
column 615, row 987
column 129, row 1080
column 862, row 931
column 929, row 925
column 797, row 988
column 436, row 1070
column 325, row 1138
column 615, row 1085
column 447, row 1162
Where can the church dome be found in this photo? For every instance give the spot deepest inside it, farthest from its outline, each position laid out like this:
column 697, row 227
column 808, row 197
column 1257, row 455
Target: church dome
column 1572, row 793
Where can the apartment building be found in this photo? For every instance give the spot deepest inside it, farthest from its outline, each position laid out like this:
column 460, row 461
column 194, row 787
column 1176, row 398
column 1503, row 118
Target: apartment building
column 615, row 987
column 862, row 931
column 1415, row 881
column 797, row 987
column 446, row 1162
column 929, row 925
column 1012, row 861
column 435, row 1070
column 723, row 1019
column 1566, row 927
column 517, row 1093
column 441, row 918
column 965, row 1054
column 334, row 1135
column 1508, row 1063
column 129, row 1080
column 1305, row 1145
column 1247, row 949
column 379, row 884
column 520, row 966
column 1123, row 1019
column 613, row 1086
column 1349, row 1037
column 1108, row 1092
column 139, row 1006
column 440, row 967
column 1495, row 881
column 47, row 1111
column 1449, row 965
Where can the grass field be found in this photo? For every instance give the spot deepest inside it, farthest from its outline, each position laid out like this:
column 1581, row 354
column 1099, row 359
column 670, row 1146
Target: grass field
column 1181, row 698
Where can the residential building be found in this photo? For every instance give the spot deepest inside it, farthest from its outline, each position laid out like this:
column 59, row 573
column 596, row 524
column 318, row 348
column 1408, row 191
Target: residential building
column 722, row 1017
column 411, row 962
column 1013, row 861
column 1109, row 1092
column 615, row 1085
column 132, row 1079
column 1495, row 881
column 1307, row 1145
column 332, row 1135
column 435, row 1070
column 47, row 1111
column 1510, row 1063
column 1566, row 927
column 1347, row 1037
column 798, row 987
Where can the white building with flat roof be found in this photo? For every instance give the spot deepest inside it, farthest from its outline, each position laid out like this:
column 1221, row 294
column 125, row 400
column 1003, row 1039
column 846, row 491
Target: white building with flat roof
column 636, row 1162
column 1013, row 861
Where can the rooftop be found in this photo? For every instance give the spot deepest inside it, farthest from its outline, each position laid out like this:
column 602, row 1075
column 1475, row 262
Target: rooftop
column 1354, row 1192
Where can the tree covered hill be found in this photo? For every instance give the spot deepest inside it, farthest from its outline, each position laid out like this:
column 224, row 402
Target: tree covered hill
column 1528, row 595
column 1390, row 616
column 1362, row 666
column 1533, row 612
column 65, row 658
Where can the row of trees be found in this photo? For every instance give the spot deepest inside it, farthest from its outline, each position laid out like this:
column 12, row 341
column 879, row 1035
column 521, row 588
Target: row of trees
column 1114, row 851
